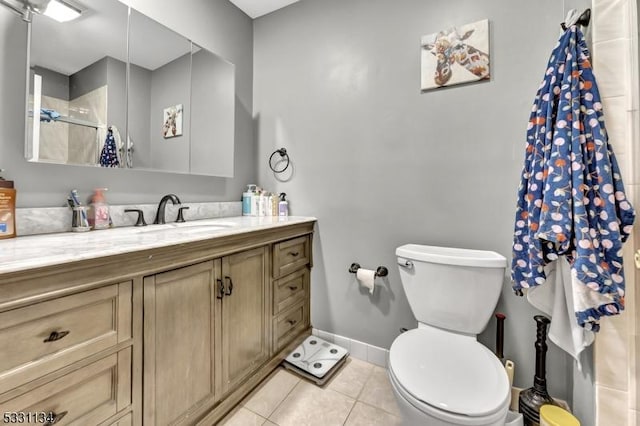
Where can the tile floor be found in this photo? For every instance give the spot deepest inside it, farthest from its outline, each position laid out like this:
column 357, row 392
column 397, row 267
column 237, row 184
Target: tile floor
column 359, row 394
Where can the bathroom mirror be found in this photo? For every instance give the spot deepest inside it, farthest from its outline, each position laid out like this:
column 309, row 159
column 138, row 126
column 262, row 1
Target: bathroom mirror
column 159, row 95
column 114, row 88
column 212, row 113
column 76, row 83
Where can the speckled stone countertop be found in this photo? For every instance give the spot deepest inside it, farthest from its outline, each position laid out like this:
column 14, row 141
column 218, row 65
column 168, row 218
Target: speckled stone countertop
column 35, row 251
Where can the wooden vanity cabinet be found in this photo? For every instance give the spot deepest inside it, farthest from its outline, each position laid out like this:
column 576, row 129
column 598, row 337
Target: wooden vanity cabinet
column 173, row 335
column 179, row 335
column 245, row 321
column 69, row 356
column 205, row 330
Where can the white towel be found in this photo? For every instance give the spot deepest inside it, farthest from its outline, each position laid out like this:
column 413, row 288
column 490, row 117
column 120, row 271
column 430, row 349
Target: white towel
column 556, row 298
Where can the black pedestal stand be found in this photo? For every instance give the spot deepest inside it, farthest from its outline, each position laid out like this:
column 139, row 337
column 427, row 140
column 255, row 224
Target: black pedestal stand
column 535, row 397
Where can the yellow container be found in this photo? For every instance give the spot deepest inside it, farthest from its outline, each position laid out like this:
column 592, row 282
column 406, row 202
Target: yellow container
column 551, row 415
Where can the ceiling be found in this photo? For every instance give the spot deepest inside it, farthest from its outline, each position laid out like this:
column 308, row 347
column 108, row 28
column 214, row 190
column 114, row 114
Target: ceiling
column 102, row 31
column 257, row 8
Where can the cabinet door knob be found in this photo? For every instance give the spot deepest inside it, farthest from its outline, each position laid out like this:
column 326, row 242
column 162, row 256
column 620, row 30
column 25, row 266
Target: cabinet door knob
column 294, row 253
column 293, row 287
column 291, row 322
column 229, row 287
column 55, row 418
column 56, row 335
column 220, row 289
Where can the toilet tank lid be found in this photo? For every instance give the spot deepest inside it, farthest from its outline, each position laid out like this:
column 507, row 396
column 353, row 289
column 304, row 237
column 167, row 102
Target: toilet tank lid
column 452, row 256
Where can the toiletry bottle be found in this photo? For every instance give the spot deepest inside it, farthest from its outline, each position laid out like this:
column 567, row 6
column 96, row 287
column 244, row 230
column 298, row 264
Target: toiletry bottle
column 7, row 209
column 246, row 200
column 255, row 201
column 283, row 205
column 99, row 210
column 261, row 203
column 274, row 204
column 267, row 204
column 266, row 197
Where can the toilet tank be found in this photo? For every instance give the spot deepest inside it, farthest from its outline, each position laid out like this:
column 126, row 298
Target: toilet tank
column 451, row 288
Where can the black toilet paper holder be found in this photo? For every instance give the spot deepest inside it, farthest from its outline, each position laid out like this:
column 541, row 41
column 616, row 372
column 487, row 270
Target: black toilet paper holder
column 381, row 271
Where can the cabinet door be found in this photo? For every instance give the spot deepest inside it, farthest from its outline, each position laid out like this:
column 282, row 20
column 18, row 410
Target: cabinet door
column 245, row 325
column 178, row 342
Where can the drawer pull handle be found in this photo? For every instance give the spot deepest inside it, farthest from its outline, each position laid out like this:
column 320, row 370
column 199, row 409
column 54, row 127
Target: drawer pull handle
column 220, row 294
column 55, row 418
column 56, row 335
column 294, row 253
column 229, row 287
column 293, row 287
column 291, row 322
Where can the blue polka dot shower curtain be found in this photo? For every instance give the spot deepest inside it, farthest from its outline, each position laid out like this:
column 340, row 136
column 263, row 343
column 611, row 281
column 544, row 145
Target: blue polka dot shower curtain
column 571, row 198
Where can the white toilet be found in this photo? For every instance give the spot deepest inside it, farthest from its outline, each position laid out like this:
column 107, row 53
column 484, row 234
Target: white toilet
column 441, row 375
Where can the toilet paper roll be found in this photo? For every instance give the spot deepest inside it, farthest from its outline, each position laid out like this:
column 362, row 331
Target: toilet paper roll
column 367, row 278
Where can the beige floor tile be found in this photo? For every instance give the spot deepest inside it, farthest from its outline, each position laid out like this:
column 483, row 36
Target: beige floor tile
column 271, row 393
column 378, row 392
column 309, row 405
column 351, row 378
column 242, row 417
column 366, row 415
column 268, row 423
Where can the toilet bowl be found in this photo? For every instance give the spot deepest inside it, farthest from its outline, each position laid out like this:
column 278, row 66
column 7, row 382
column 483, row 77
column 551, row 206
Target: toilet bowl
column 443, row 379
column 440, row 374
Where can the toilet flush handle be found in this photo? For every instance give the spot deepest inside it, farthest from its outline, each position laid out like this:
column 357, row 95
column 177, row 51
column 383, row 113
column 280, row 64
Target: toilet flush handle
column 405, row 263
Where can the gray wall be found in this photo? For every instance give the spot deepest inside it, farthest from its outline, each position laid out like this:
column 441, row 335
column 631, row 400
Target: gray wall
column 380, row 164
column 54, row 84
column 117, row 94
column 88, row 78
column 212, row 118
column 170, row 85
column 217, row 25
column 139, row 130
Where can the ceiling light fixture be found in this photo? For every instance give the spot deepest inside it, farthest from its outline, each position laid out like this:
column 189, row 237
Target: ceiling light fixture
column 61, row 11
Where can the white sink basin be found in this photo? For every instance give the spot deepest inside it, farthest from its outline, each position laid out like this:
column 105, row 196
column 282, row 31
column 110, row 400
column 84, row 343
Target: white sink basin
column 188, row 227
column 205, row 223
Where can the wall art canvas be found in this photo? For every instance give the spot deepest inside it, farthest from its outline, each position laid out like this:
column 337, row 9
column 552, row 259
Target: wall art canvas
column 172, row 119
column 455, row 56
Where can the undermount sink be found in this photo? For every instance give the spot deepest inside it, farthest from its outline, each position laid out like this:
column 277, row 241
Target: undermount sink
column 205, row 223
column 188, row 227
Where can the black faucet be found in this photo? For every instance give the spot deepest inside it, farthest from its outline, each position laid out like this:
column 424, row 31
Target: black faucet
column 163, row 203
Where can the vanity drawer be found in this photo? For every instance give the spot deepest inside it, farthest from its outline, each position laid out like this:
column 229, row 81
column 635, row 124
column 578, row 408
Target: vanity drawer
column 124, row 421
column 44, row 337
column 290, row 255
column 290, row 289
column 87, row 396
column 289, row 324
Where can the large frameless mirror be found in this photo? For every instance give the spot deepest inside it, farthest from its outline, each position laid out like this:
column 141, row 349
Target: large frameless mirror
column 114, row 88
column 76, row 84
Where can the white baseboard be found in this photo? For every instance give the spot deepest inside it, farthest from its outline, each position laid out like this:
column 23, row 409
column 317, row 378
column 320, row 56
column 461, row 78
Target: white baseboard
column 357, row 349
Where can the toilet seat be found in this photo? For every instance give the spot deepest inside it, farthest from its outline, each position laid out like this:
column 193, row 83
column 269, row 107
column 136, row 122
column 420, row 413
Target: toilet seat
column 448, row 375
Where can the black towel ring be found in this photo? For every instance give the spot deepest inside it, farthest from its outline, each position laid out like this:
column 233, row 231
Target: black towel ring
column 283, row 155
